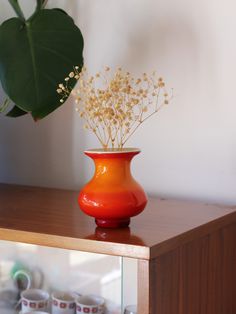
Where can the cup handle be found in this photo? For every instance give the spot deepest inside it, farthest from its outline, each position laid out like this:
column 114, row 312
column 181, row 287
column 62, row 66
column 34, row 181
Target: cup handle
column 23, row 273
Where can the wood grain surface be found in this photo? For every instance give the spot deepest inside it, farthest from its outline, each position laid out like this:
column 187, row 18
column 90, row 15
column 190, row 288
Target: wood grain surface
column 52, row 217
column 144, row 291
column 198, row 277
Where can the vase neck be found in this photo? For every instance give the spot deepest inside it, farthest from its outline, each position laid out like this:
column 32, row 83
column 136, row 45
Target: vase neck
column 113, row 167
column 118, row 166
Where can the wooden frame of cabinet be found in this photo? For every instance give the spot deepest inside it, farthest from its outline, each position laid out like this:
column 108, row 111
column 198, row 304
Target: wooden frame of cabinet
column 186, row 251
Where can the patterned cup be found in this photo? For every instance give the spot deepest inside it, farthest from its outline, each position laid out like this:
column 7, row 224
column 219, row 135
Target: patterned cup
column 90, row 304
column 63, row 303
column 34, row 300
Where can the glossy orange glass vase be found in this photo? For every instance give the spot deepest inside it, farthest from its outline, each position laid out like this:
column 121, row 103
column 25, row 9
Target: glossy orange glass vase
column 112, row 196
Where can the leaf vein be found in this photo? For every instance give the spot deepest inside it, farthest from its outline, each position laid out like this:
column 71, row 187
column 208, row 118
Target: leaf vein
column 55, row 53
column 33, row 62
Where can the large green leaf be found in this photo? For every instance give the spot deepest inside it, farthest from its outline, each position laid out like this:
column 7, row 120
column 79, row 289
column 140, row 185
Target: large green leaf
column 36, row 55
column 15, row 112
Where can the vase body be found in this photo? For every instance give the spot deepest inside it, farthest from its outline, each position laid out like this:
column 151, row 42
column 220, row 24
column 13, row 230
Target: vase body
column 112, row 196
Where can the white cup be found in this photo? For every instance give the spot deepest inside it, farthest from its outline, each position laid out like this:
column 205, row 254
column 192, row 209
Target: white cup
column 63, row 302
column 34, row 300
column 90, row 304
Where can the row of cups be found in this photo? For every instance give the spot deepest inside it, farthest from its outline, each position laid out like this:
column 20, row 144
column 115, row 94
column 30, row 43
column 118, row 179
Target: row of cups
column 37, row 301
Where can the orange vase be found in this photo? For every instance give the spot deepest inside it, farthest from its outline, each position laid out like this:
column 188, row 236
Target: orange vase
column 112, row 196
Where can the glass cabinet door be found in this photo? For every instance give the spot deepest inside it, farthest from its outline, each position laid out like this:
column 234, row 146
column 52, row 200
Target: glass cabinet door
column 113, row 278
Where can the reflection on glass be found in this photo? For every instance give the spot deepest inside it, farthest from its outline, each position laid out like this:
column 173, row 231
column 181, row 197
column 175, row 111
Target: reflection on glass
column 129, row 282
column 112, row 277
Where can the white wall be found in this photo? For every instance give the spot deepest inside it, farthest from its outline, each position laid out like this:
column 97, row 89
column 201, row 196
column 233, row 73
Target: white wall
column 189, row 150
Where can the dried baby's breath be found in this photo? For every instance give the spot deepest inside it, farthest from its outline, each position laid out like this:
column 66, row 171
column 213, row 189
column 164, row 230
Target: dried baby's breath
column 114, row 105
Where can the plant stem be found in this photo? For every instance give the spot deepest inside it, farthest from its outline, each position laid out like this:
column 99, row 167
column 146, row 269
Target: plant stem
column 44, row 3
column 147, row 117
column 16, row 7
column 40, row 5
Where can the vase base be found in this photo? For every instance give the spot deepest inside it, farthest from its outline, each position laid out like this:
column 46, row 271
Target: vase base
column 112, row 223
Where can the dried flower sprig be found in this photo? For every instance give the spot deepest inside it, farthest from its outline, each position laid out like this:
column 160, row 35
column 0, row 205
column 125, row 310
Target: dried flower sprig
column 114, row 105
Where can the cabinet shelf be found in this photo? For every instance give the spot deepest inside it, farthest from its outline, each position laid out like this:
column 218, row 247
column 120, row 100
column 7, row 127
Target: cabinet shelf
column 52, row 217
column 175, row 242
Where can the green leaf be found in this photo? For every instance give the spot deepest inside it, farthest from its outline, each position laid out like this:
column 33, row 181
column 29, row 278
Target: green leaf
column 15, row 112
column 35, row 56
column 43, row 112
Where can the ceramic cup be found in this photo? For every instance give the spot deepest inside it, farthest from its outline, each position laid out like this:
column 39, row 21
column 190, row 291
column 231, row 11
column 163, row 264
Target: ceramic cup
column 90, row 304
column 34, row 300
column 63, row 303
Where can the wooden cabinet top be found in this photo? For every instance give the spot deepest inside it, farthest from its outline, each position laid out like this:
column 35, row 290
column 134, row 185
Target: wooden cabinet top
column 51, row 217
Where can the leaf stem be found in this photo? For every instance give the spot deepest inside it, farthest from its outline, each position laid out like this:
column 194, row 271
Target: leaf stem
column 16, row 7
column 44, row 3
column 40, row 5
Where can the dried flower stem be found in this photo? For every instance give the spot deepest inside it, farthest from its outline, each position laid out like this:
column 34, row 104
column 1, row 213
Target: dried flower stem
column 114, row 106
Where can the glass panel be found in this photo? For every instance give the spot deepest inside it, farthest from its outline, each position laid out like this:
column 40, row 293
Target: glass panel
column 129, row 282
column 81, row 272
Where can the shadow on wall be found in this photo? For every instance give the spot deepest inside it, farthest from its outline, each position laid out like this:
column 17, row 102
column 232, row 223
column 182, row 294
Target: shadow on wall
column 181, row 48
column 41, row 153
column 166, row 42
column 173, row 42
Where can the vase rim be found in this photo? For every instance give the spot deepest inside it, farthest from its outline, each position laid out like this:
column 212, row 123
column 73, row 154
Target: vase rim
column 113, row 150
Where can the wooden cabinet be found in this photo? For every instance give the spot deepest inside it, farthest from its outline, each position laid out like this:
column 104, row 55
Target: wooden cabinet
column 186, row 251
